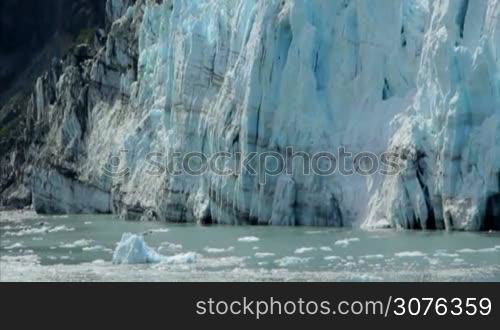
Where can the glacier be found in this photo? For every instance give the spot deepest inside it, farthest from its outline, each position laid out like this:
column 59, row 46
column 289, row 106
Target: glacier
column 417, row 78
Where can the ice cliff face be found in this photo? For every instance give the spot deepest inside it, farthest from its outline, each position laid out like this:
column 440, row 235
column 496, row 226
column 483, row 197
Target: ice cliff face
column 418, row 78
column 452, row 126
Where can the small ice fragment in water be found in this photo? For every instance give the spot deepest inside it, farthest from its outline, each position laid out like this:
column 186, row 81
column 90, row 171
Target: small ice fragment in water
column 444, row 254
column 160, row 230
column 170, row 246
column 410, row 254
column 289, row 261
column 217, row 250
column 97, row 248
column 41, row 228
column 60, row 229
column 304, row 250
column 77, row 244
column 345, row 242
column 486, row 250
column 326, row 249
column 248, row 239
column 316, row 232
column 373, row 256
column 14, row 246
column 183, row 258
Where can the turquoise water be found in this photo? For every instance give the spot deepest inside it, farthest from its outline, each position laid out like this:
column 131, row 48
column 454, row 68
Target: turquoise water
column 80, row 248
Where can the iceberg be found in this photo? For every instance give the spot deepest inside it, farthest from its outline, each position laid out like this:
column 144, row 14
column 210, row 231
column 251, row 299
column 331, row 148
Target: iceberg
column 133, row 249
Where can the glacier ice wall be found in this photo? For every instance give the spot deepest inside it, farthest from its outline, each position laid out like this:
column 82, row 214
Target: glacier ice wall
column 452, row 127
column 416, row 77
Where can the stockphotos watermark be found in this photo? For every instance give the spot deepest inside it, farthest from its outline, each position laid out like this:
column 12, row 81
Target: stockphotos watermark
column 262, row 164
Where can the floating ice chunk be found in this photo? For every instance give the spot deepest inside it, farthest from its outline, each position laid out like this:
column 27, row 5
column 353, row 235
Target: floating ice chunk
column 160, row 230
column 77, row 244
column 225, row 262
column 28, row 231
column 326, row 249
column 316, row 232
column 217, row 250
column 97, row 248
column 345, row 242
column 332, row 258
column 290, row 261
column 248, row 239
column 444, row 254
column 373, row 256
column 183, row 258
column 485, row 250
column 42, row 229
column 15, row 246
column 132, row 249
column 304, row 250
column 60, row 229
column 170, row 246
column 410, row 254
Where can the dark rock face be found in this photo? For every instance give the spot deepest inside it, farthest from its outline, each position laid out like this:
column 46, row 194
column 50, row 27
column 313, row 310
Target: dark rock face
column 44, row 128
column 31, row 28
column 34, row 36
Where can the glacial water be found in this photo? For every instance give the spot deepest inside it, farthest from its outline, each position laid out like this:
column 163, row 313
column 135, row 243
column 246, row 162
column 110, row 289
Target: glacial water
column 80, row 248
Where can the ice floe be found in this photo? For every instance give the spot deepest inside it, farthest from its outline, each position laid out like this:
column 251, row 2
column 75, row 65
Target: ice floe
column 410, row 254
column 248, row 239
column 14, row 246
column 372, row 256
column 304, row 250
column 290, row 261
column 346, row 242
column 77, row 244
column 218, row 250
column 485, row 250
